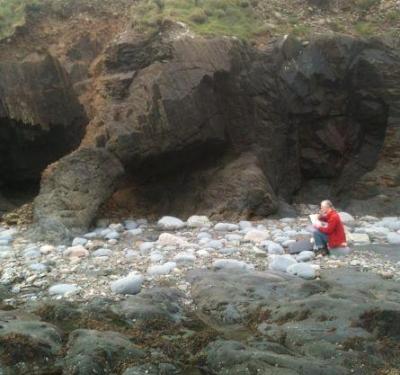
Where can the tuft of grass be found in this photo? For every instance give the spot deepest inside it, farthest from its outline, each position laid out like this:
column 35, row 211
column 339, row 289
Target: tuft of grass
column 205, row 17
column 365, row 28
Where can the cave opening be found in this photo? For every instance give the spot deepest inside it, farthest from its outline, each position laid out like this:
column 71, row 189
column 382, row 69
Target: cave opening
column 25, row 151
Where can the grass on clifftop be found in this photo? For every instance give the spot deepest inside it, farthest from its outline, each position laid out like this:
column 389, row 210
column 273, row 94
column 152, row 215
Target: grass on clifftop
column 206, row 17
column 12, row 14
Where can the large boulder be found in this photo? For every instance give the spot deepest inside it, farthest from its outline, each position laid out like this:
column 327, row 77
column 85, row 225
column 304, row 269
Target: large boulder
column 72, row 190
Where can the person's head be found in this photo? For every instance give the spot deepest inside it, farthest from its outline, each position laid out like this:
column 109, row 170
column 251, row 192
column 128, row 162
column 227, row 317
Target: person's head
column 326, row 206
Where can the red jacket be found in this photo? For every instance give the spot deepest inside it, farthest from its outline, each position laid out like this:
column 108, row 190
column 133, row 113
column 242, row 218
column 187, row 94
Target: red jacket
column 334, row 230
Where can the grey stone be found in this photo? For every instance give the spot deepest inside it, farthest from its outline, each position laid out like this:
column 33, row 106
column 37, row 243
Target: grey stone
column 130, row 284
column 393, row 238
column 282, row 262
column 102, row 253
column 170, row 223
column 305, row 256
column 232, row 264
column 162, row 269
column 79, row 241
column 225, row 227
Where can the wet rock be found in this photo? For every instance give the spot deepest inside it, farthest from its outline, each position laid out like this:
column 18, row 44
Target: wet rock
column 95, row 352
column 28, row 342
column 152, row 304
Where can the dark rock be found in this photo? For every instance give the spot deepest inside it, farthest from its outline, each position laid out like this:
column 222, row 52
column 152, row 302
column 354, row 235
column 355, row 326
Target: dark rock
column 218, row 127
column 95, row 352
column 41, row 118
column 150, row 305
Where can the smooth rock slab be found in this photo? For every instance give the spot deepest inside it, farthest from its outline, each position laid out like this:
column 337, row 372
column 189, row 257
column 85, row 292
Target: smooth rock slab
column 130, row 284
column 232, row 264
column 63, row 289
column 170, row 223
column 303, row 270
column 282, row 262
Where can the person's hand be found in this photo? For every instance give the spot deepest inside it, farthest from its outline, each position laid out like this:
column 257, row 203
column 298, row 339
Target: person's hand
column 316, row 225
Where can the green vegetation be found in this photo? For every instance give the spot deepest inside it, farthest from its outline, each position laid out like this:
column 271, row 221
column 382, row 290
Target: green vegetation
column 365, row 29
column 12, row 14
column 207, row 17
column 366, row 4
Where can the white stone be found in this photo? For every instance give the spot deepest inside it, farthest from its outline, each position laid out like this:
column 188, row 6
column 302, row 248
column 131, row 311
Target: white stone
column 197, row 221
column 112, row 235
column 302, row 270
column 63, row 289
column 130, row 224
column 184, row 258
column 282, row 262
column 135, row 232
column 146, row 247
column 129, row 253
column 38, row 267
column 245, row 224
column 8, row 234
column 130, row 284
column 228, row 250
column 91, row 235
column 170, row 223
column 156, row 257
column 215, row 244
column 204, row 235
column 346, row 218
column 256, row 235
column 225, row 227
column 202, row 253
column 166, row 239
column 79, row 241
column 47, row 249
column 232, row 264
column 102, row 253
column 359, row 238
column 393, row 238
column 275, row 248
column 117, row 227
column 305, row 256
column 233, row 237
column 76, row 252
column 162, row 269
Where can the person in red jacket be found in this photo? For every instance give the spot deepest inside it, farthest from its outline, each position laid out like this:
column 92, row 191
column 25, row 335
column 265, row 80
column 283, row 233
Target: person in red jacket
column 330, row 233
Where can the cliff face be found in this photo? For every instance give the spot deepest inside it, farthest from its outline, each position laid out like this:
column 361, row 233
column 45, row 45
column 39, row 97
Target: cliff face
column 180, row 124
